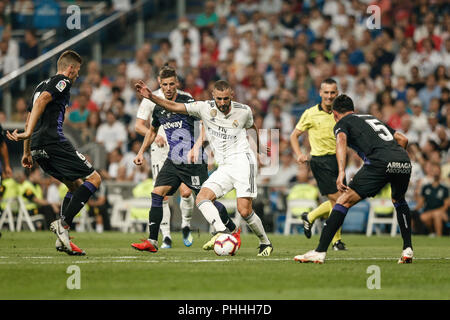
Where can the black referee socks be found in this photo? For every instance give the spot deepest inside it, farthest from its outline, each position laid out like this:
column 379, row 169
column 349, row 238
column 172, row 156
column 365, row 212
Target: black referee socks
column 332, row 225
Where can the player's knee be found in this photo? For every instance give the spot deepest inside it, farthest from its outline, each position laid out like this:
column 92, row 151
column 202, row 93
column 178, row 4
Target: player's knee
column 95, row 179
column 185, row 193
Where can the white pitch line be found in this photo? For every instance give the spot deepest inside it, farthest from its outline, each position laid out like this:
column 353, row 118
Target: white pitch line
column 115, row 260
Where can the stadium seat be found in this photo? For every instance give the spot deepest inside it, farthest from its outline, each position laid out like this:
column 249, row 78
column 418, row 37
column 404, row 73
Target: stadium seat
column 374, row 220
column 24, row 216
column 7, row 216
column 356, row 219
column 292, row 219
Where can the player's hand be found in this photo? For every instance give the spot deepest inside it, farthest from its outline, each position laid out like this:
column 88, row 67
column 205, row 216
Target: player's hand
column 142, row 89
column 160, row 141
column 8, row 172
column 14, row 136
column 27, row 161
column 340, row 182
column 139, row 160
column 302, row 158
column 193, row 154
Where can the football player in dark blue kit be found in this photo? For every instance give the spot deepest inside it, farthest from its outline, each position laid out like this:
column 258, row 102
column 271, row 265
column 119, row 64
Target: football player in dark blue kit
column 179, row 166
column 45, row 143
column 385, row 161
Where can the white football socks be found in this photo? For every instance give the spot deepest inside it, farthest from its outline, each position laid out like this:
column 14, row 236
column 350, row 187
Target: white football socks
column 211, row 214
column 255, row 224
column 165, row 222
column 186, row 207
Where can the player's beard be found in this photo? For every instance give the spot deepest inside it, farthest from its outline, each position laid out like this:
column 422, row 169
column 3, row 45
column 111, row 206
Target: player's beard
column 224, row 108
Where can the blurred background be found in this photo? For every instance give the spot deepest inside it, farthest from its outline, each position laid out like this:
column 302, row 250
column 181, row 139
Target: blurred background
column 275, row 54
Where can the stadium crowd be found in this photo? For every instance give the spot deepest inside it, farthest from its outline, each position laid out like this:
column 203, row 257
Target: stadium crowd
column 275, row 54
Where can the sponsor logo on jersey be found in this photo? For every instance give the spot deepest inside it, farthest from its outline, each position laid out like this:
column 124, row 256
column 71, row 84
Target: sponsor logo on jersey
column 173, row 125
column 61, row 85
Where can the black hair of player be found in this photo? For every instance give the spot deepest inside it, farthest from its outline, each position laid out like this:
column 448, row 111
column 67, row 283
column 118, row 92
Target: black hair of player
column 167, row 72
column 329, row 81
column 222, row 85
column 343, row 103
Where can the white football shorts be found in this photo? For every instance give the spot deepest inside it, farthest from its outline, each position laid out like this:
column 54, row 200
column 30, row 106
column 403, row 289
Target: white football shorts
column 238, row 172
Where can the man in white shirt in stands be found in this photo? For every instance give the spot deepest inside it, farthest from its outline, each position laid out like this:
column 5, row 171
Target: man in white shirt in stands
column 226, row 123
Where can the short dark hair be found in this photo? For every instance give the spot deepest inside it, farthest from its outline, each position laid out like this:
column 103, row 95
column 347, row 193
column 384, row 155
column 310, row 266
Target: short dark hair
column 67, row 58
column 222, row 85
column 343, row 103
column 167, row 72
column 329, row 81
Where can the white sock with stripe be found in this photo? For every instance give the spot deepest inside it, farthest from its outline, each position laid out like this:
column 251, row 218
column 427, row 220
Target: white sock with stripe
column 165, row 222
column 186, row 207
column 211, row 214
column 255, row 224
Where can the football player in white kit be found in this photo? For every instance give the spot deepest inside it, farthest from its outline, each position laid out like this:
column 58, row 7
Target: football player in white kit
column 226, row 123
column 158, row 155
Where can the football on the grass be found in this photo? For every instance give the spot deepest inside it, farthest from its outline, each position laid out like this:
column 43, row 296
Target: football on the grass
column 226, row 245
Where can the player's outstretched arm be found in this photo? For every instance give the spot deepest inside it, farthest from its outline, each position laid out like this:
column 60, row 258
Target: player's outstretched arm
column 300, row 157
column 341, row 156
column 38, row 108
column 148, row 140
column 171, row 106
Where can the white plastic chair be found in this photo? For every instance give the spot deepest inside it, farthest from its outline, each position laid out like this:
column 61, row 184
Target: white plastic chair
column 373, row 220
column 7, row 216
column 293, row 220
column 24, row 216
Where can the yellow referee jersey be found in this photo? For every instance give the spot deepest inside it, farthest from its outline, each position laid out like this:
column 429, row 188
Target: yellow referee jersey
column 319, row 125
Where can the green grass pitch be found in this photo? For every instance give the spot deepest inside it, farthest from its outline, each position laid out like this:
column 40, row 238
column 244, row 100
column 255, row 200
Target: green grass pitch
column 31, row 268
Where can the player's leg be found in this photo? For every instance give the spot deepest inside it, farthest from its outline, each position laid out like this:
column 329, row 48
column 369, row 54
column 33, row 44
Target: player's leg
column 158, row 160
column 155, row 219
column 245, row 209
column 204, row 202
column 186, row 208
column 399, row 185
column 367, row 182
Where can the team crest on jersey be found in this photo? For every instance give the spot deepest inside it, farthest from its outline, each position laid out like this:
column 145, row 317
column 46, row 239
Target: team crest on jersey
column 195, row 180
column 61, row 85
column 213, row 113
column 235, row 123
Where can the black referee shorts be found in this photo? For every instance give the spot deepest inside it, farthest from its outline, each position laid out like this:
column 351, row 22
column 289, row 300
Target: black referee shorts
column 62, row 161
column 370, row 179
column 192, row 175
column 325, row 170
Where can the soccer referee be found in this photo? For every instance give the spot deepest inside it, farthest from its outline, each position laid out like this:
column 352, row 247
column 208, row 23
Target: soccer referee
column 319, row 122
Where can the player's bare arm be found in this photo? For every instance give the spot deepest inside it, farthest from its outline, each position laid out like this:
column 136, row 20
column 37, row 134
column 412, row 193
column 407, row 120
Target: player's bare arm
column 171, row 106
column 300, row 157
column 341, row 155
column 142, row 128
column 401, row 139
column 5, row 156
column 148, row 140
column 38, row 108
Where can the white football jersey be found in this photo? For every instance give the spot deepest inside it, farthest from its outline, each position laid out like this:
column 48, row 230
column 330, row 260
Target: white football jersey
column 226, row 134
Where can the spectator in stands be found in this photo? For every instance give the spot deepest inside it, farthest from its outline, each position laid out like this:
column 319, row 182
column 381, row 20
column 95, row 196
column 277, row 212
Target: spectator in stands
column 402, row 64
column 429, row 58
column 9, row 53
column 431, row 90
column 112, row 134
column 77, row 118
column 29, row 49
column 89, row 131
column 364, row 96
column 86, row 89
column 20, row 111
column 135, row 67
column 101, row 92
column 434, row 200
column 208, row 18
column 278, row 119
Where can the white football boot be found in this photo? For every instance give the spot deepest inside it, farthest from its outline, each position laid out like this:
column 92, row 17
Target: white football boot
column 311, row 256
column 407, row 256
column 62, row 234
